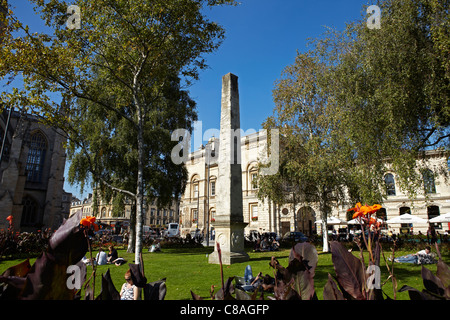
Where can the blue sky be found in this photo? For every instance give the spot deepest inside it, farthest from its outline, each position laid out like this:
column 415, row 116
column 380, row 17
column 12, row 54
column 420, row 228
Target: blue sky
column 262, row 37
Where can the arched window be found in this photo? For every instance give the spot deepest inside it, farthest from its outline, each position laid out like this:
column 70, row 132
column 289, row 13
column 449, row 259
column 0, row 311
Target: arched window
column 30, row 215
column 428, row 181
column 212, row 185
column 305, row 220
column 36, row 157
column 103, row 213
column 390, row 184
column 253, row 178
column 404, row 210
column 381, row 214
column 195, row 186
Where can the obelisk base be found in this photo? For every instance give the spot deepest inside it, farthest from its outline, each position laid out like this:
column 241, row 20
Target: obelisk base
column 230, row 237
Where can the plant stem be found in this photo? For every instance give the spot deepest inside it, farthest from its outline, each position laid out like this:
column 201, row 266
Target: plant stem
column 219, row 252
column 92, row 260
column 365, row 241
column 391, row 271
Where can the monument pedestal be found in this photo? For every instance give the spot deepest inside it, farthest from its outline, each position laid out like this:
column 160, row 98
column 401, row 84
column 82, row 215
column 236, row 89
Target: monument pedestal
column 230, row 237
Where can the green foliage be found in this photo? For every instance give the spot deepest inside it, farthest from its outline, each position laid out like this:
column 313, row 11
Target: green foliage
column 390, row 87
column 314, row 158
column 363, row 102
column 119, row 81
column 24, row 243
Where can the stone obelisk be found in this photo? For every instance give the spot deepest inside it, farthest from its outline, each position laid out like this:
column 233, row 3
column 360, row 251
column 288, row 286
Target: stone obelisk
column 229, row 220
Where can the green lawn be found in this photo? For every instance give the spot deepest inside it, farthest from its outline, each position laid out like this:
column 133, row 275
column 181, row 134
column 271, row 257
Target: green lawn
column 188, row 269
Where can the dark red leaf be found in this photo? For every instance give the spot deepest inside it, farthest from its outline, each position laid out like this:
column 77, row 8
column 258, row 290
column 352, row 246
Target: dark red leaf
column 415, row 294
column 138, row 278
column 349, row 271
column 308, row 254
column 155, row 290
column 69, row 244
column 432, row 283
column 47, row 278
column 331, row 291
column 196, row 296
column 19, row 270
column 443, row 273
column 109, row 291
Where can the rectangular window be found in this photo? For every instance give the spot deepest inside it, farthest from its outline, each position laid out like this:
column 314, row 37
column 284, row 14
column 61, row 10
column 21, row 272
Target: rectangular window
column 194, row 215
column 254, row 180
column 213, row 188
column 254, row 211
column 196, row 190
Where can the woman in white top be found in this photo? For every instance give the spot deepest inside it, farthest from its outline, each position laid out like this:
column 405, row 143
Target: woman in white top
column 129, row 291
column 101, row 257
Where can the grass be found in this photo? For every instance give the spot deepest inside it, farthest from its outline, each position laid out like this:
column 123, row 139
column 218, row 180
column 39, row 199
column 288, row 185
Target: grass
column 188, row 269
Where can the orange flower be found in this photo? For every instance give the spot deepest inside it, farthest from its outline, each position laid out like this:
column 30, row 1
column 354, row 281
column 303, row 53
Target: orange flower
column 361, row 211
column 89, row 222
column 374, row 208
column 356, row 208
column 10, row 219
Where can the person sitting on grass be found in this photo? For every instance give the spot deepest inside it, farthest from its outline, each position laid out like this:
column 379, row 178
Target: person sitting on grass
column 101, row 257
column 113, row 257
column 129, row 291
column 266, row 283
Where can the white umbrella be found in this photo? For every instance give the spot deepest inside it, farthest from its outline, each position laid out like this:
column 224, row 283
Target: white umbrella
column 442, row 218
column 332, row 221
column 358, row 221
column 406, row 218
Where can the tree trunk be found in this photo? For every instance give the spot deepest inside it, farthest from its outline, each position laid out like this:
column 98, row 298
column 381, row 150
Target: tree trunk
column 324, row 212
column 326, row 247
column 140, row 177
column 140, row 190
column 132, row 234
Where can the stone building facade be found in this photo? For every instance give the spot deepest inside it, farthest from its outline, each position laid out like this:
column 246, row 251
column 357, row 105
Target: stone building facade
column 265, row 216
column 154, row 217
column 198, row 203
column 31, row 174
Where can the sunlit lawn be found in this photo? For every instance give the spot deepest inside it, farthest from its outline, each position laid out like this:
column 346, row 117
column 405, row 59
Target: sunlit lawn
column 188, row 269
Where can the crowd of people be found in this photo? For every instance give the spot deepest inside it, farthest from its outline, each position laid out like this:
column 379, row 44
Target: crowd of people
column 388, row 235
column 264, row 242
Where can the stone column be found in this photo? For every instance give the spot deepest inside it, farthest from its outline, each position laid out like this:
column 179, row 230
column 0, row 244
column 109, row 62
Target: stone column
column 229, row 222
